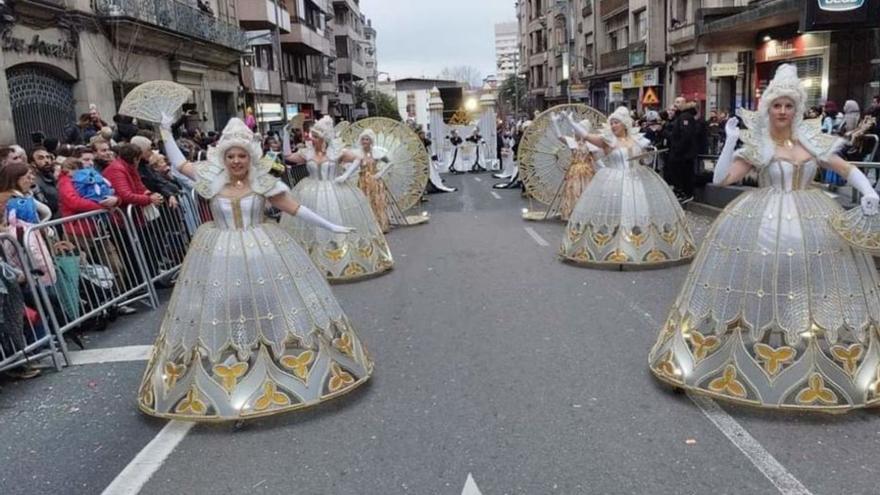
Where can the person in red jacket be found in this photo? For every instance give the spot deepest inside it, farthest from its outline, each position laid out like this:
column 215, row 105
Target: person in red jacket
column 126, row 181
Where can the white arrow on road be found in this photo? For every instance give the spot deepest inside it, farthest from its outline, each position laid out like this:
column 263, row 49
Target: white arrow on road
column 470, row 487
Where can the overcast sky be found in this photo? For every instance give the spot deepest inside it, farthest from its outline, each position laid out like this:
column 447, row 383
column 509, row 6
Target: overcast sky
column 420, row 37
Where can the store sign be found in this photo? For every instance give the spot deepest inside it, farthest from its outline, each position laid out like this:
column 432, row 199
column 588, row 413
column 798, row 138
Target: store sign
column 730, row 69
column 37, row 45
column 840, row 5
column 615, row 91
column 640, row 78
column 805, row 45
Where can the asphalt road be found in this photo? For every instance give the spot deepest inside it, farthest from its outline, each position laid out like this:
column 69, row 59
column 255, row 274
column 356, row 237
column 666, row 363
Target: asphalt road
column 493, row 358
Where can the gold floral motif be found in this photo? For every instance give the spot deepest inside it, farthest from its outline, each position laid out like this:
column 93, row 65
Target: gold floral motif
column 230, row 374
column 191, row 404
column 774, row 359
column 601, row 239
column 728, row 384
column 617, row 256
column 148, row 397
column 339, row 379
column 343, row 343
column 816, row 392
column 688, row 250
column 669, row 235
column 299, row 364
column 636, row 238
column 656, row 256
column 354, row 270
column 667, row 367
column 574, row 234
column 702, row 345
column 173, row 372
column 583, row 254
column 271, row 397
column 365, row 250
column 337, row 254
column 848, row 356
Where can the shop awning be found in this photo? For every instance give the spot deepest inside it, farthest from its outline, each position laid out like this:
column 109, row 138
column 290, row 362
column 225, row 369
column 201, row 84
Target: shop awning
column 737, row 28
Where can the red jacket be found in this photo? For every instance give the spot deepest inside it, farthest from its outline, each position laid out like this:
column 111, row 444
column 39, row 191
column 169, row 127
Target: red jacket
column 127, row 183
column 71, row 203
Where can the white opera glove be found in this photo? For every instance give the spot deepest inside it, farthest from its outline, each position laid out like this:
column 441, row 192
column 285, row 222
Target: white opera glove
column 554, row 122
column 166, row 122
column 285, row 141
column 725, row 159
column 870, row 199
column 313, row 218
column 351, row 170
column 172, row 151
column 580, row 130
column 382, row 171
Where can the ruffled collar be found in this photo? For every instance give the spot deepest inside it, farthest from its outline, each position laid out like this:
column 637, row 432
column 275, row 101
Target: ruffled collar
column 808, row 133
column 212, row 177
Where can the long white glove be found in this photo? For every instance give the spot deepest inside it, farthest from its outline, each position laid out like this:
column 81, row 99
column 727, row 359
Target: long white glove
column 554, row 122
column 313, row 218
column 580, row 130
column 382, row 170
column 172, row 151
column 351, row 170
column 870, row 199
column 725, row 159
column 285, row 141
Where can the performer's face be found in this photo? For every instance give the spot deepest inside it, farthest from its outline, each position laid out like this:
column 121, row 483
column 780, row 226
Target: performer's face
column 237, row 162
column 782, row 112
column 366, row 143
column 617, row 127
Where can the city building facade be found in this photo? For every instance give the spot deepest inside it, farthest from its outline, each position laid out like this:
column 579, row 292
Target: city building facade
column 62, row 57
column 506, row 50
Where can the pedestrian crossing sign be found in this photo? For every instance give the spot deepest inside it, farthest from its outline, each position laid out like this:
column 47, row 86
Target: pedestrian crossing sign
column 650, row 97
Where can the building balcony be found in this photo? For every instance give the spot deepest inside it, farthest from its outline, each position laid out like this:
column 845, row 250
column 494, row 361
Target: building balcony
column 608, row 8
column 170, row 26
column 311, row 41
column 327, row 85
column 614, row 59
column 352, row 67
column 351, row 5
column 301, row 93
column 538, row 58
column 681, row 35
column 261, row 81
column 262, row 14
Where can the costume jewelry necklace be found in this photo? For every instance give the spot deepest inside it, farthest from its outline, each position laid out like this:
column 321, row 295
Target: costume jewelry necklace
column 786, row 143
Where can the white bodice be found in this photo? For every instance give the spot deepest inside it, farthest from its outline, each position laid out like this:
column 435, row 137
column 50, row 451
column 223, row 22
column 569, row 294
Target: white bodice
column 242, row 213
column 787, row 176
column 326, row 170
column 619, row 158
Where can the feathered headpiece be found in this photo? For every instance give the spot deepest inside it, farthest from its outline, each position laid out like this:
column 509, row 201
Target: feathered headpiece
column 324, row 129
column 621, row 114
column 785, row 84
column 212, row 174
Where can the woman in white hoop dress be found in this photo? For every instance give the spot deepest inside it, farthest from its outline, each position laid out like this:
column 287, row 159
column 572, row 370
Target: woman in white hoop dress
column 626, row 217
column 340, row 257
column 777, row 310
column 252, row 328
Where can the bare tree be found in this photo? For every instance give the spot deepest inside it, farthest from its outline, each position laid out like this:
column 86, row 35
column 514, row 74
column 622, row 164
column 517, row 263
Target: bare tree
column 466, row 74
column 119, row 62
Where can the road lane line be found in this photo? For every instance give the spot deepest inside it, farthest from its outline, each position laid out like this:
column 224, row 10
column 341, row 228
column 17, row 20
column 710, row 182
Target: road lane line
column 470, row 487
column 149, row 460
column 111, row 355
column 775, row 472
column 495, row 194
column 540, row 240
column 478, row 179
column 784, row 481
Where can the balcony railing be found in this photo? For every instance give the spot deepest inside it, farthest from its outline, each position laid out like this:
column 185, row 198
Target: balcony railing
column 175, row 16
column 614, row 58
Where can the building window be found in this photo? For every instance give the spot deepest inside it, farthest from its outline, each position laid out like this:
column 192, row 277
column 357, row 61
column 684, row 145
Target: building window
column 640, row 23
column 613, row 41
column 264, row 57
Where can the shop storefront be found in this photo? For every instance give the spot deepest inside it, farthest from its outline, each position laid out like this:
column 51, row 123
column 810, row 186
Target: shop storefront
column 692, row 85
column 636, row 83
column 808, row 52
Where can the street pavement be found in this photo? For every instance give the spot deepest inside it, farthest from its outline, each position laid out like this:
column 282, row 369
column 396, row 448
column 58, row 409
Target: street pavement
column 493, row 359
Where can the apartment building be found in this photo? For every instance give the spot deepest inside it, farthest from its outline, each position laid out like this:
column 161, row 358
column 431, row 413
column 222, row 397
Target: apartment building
column 506, row 50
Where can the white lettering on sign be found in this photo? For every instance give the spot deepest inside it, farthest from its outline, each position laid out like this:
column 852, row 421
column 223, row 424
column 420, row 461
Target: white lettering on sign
column 840, row 5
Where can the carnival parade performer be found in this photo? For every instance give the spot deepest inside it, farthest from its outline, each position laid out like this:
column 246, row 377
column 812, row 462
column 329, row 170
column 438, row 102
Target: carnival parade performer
column 370, row 177
column 346, row 256
column 626, row 217
column 252, row 327
column 579, row 171
column 777, row 310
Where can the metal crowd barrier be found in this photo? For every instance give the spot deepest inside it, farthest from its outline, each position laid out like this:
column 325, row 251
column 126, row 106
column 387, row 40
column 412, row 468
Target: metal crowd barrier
column 93, row 269
column 36, row 339
column 164, row 234
column 294, row 174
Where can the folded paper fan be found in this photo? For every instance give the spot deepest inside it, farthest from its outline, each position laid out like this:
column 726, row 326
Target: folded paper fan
column 150, row 100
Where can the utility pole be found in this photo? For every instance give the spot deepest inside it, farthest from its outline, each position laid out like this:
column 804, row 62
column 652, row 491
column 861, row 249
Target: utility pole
column 276, row 47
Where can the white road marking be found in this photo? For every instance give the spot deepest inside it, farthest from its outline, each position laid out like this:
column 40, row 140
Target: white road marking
column 540, row 240
column 470, row 487
column 784, row 481
column 775, row 472
column 111, row 355
column 495, row 194
column 478, row 179
column 149, row 460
